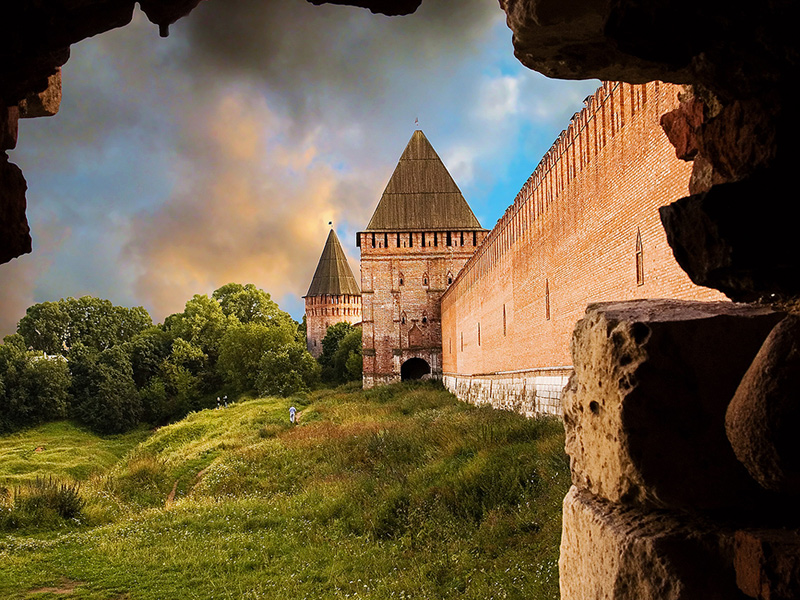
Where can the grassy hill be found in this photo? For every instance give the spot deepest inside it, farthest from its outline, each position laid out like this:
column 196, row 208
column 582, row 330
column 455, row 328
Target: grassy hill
column 397, row 492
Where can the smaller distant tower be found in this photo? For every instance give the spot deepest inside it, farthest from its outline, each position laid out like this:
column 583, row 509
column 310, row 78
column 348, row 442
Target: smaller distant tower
column 333, row 296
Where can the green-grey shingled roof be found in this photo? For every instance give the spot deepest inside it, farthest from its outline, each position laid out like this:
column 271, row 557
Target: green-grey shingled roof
column 333, row 275
column 421, row 194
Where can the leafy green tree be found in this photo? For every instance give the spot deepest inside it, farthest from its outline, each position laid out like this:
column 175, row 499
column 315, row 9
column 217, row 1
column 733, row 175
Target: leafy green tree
column 330, row 345
column 347, row 360
column 54, row 327
column 157, row 406
column 245, row 344
column 287, row 370
column 249, row 304
column 104, row 393
column 33, row 387
column 148, row 351
column 182, row 374
column 202, row 323
column 46, row 327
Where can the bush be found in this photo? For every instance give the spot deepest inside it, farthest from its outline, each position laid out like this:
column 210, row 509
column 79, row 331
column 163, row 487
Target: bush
column 43, row 502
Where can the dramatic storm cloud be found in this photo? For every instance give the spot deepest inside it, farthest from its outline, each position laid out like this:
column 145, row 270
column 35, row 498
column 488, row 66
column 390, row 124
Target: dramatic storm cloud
column 221, row 153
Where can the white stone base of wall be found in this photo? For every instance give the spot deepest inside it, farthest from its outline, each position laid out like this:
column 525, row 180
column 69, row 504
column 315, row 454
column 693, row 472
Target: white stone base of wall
column 531, row 392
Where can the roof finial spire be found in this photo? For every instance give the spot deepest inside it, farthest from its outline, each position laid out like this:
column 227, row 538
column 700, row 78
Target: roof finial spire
column 331, row 224
column 416, row 122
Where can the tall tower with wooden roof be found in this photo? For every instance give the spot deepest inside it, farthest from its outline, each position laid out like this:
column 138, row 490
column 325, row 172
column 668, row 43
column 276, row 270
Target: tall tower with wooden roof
column 333, row 295
column 420, row 235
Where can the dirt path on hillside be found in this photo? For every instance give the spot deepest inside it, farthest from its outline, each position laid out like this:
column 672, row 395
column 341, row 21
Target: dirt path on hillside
column 65, row 586
column 171, row 497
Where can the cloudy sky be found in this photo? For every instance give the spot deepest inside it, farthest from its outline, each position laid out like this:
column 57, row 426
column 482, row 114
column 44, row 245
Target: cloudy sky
column 220, row 153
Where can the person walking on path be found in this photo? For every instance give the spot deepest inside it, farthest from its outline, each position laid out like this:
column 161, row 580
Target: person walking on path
column 292, row 413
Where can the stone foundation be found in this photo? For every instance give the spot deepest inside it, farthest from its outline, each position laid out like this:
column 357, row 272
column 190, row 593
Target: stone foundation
column 531, row 392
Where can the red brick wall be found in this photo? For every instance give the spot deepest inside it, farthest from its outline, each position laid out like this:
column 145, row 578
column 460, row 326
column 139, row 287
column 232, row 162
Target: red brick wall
column 572, row 231
column 324, row 311
column 391, row 311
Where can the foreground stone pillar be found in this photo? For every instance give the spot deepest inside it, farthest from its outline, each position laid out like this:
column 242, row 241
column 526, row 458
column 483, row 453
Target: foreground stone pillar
column 659, row 497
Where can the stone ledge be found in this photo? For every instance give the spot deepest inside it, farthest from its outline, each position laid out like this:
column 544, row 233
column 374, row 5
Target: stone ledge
column 625, row 553
column 645, row 411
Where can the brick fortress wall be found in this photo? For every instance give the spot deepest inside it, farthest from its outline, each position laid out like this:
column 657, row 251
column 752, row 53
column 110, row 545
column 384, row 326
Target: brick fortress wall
column 324, row 311
column 403, row 276
column 584, row 228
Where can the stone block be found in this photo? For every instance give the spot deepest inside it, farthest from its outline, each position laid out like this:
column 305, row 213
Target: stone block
column 722, row 243
column 626, row 553
column 15, row 236
column 9, row 126
column 644, row 412
column 767, row 563
column 45, row 103
column 763, row 418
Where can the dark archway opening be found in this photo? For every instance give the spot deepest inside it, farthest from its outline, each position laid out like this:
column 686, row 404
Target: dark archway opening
column 414, row 368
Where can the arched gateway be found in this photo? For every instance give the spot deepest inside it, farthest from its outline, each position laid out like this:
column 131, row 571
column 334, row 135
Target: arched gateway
column 414, row 368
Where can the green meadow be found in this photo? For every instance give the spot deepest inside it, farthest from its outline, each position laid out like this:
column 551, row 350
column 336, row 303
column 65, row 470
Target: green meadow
column 397, row 492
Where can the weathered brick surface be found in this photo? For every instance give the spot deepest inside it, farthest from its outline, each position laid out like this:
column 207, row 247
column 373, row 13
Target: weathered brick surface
column 327, row 310
column 403, row 320
column 570, row 238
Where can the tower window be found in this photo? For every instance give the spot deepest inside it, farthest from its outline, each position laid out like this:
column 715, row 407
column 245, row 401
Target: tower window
column 425, row 279
column 474, row 238
column 410, row 240
column 449, row 239
column 423, row 239
column 639, row 258
column 373, row 240
column 398, row 240
column 462, row 238
column 385, row 240
column 547, row 299
column 401, row 279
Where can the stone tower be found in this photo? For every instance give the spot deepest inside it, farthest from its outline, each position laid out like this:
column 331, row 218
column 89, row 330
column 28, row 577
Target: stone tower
column 420, row 236
column 333, row 295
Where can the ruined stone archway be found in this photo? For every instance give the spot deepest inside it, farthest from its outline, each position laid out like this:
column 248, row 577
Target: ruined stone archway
column 414, row 368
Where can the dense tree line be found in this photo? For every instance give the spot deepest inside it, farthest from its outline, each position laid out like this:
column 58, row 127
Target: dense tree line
column 111, row 368
column 341, row 354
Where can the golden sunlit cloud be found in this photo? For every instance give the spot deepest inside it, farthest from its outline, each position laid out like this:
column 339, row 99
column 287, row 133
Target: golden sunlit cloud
column 251, row 210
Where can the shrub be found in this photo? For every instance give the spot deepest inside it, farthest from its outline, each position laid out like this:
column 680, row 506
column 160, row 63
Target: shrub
column 42, row 503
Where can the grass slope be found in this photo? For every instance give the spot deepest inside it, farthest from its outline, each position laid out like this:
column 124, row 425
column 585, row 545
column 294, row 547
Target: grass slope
column 397, row 492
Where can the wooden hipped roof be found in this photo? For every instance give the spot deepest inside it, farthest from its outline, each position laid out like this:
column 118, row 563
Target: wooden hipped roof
column 333, row 275
column 421, row 194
